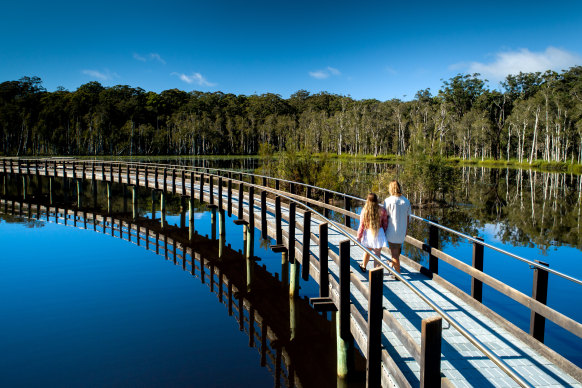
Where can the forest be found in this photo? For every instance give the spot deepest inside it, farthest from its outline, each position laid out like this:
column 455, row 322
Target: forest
column 534, row 116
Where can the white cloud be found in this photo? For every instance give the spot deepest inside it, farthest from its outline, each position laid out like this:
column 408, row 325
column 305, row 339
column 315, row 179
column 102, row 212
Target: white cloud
column 139, row 57
column 325, row 73
column 104, row 76
column 149, row 57
column 156, row 57
column 523, row 60
column 194, row 78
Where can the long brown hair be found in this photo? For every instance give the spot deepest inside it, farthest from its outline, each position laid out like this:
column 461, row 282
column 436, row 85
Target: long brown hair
column 372, row 213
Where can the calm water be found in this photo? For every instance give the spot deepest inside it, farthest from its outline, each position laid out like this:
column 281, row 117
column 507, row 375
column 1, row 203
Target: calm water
column 536, row 215
column 83, row 308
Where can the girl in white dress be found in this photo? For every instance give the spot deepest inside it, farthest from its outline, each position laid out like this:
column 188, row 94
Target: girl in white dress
column 372, row 230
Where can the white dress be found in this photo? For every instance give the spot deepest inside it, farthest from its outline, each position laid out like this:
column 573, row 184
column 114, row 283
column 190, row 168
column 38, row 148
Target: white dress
column 369, row 241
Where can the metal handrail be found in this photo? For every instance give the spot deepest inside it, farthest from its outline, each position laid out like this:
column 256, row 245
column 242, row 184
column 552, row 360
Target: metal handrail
column 494, row 358
column 470, row 238
column 478, row 344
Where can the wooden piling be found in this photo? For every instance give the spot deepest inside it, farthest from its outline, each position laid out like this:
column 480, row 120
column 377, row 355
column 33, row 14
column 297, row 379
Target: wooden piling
column 278, row 230
column 345, row 340
column 229, row 196
column 201, row 187
column 430, row 352
column 264, row 230
column 240, row 201
column 477, row 285
column 211, row 189
column 323, row 260
column 433, row 241
column 374, row 356
column 306, row 244
column 347, row 206
column 291, row 239
column 537, row 323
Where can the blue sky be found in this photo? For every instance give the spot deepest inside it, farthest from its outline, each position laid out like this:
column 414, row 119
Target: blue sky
column 365, row 49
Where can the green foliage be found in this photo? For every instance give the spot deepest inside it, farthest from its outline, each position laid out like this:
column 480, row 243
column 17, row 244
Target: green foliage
column 538, row 117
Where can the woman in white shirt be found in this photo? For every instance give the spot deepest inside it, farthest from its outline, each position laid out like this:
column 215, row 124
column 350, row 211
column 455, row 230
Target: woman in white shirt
column 398, row 208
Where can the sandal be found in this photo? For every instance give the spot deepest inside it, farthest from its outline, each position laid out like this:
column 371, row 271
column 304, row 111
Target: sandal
column 363, row 269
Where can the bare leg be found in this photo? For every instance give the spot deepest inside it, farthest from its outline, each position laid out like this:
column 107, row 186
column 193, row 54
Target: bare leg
column 377, row 252
column 395, row 252
column 366, row 259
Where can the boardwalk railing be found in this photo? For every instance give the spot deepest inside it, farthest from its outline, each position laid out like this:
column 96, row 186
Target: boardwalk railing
column 184, row 178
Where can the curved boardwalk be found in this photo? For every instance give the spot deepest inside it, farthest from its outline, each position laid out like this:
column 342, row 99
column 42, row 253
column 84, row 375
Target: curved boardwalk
column 462, row 364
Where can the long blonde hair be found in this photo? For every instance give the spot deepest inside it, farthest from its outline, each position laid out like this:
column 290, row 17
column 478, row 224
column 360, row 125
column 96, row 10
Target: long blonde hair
column 372, row 214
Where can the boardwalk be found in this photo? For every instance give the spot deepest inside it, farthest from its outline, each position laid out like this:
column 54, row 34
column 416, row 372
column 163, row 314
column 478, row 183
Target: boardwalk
column 462, row 364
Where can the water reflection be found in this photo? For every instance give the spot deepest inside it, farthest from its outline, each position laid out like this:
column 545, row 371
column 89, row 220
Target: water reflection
column 295, row 343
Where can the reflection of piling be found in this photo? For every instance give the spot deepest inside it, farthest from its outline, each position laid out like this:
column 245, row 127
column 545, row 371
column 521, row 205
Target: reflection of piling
column 182, row 212
column 294, row 279
column 162, row 209
column 249, row 243
column 153, row 204
column 24, row 187
column 124, row 198
column 190, row 219
column 134, row 201
column 292, row 319
column 213, row 222
column 50, row 190
column 221, row 223
column 79, row 192
column 108, row 188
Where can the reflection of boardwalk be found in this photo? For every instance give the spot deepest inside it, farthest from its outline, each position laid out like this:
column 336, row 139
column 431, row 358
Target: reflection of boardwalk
column 289, row 336
column 461, row 363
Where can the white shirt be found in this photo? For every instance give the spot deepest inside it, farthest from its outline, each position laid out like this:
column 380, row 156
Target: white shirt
column 398, row 208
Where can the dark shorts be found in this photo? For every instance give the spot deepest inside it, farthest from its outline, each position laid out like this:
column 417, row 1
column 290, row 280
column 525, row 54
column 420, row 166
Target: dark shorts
column 395, row 246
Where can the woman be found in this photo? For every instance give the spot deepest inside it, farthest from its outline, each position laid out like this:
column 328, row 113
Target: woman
column 398, row 208
column 372, row 219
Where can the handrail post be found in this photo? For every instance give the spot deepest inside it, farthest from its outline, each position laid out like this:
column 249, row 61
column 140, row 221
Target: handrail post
column 229, row 195
column 220, row 204
column 374, row 357
column 240, row 200
column 347, row 205
column 345, row 340
column 537, row 323
column 156, row 178
column 291, row 245
column 306, row 244
column 264, row 182
column 183, row 178
column 211, row 189
column 292, row 188
column 201, row 187
column 264, row 231
column 277, row 184
column 430, row 352
column 165, row 179
column 323, row 260
column 252, row 209
column 433, row 241
column 477, row 285
column 145, row 174
column 174, row 181
column 278, row 231
column 326, row 201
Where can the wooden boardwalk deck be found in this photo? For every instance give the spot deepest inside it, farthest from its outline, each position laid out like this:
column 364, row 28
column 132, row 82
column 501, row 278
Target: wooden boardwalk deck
column 462, row 364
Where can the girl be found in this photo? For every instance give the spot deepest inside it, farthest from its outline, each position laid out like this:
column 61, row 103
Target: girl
column 372, row 219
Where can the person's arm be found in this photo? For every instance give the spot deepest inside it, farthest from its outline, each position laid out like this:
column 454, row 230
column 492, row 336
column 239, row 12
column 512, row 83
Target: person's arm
column 384, row 220
column 361, row 227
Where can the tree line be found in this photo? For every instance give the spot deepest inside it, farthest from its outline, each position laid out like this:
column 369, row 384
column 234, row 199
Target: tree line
column 535, row 116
